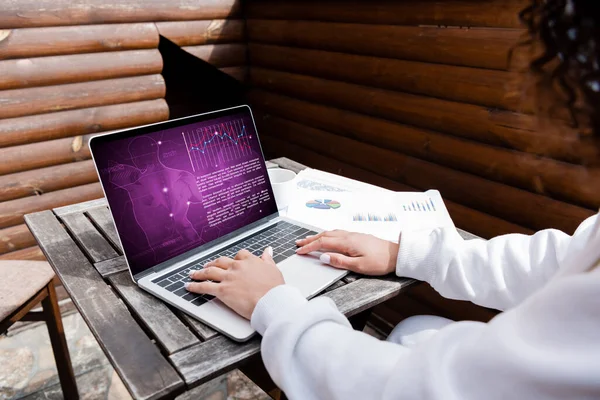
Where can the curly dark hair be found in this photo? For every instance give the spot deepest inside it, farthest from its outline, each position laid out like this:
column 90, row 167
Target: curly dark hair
column 569, row 31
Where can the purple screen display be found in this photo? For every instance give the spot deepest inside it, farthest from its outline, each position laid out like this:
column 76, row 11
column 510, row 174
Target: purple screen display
column 173, row 190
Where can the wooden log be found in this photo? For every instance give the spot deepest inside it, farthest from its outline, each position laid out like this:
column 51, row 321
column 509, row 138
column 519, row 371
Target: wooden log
column 195, row 33
column 573, row 183
column 29, row 101
column 483, row 48
column 43, row 154
column 56, row 70
column 515, row 205
column 39, row 181
column 27, row 13
column 12, row 211
column 37, row 128
column 467, row 85
column 220, row 55
column 495, row 13
column 481, row 224
column 38, row 42
column 15, row 238
column 238, row 73
column 497, row 127
column 33, row 253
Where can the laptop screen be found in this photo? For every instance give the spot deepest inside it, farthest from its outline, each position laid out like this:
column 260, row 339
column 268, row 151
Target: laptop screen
column 176, row 186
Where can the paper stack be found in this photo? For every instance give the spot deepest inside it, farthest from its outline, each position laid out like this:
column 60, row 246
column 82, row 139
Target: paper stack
column 329, row 201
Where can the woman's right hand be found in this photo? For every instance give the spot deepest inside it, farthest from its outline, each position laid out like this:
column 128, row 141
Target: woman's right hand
column 357, row 252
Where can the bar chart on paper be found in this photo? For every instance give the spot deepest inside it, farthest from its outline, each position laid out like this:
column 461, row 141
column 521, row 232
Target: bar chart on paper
column 209, row 146
column 419, row 205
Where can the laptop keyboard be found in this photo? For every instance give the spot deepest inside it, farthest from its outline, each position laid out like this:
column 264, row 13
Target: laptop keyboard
column 281, row 237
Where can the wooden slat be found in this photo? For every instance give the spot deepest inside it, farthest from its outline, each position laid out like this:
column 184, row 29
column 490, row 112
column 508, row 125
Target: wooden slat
column 12, row 211
column 336, row 285
column 165, row 327
column 203, row 331
column 56, row 70
column 27, row 13
column 238, row 73
column 495, row 13
column 573, row 183
column 80, row 207
column 497, row 127
column 112, row 266
column 15, row 238
column 40, row 181
column 202, row 362
column 483, row 48
column 22, row 102
column 220, row 55
column 145, row 372
column 44, row 154
column 35, row 128
column 38, row 42
column 100, row 216
column 515, row 205
column 88, row 237
column 195, row 33
column 484, row 225
column 30, row 253
column 467, row 85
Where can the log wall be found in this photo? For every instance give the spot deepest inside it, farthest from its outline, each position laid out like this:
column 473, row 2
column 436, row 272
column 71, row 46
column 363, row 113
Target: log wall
column 72, row 69
column 413, row 95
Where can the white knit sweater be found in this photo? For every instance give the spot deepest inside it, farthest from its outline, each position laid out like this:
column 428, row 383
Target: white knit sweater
column 546, row 345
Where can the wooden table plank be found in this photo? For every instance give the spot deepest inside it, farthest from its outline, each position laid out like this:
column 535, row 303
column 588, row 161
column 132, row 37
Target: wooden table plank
column 139, row 363
column 79, row 207
column 111, row 266
column 204, row 331
column 88, row 237
column 101, row 217
column 165, row 327
column 202, row 362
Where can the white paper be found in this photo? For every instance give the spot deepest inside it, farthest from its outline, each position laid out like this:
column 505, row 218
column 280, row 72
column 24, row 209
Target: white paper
column 329, row 201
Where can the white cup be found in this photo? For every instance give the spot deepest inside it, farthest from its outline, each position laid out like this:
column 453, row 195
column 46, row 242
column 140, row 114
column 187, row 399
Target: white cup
column 283, row 182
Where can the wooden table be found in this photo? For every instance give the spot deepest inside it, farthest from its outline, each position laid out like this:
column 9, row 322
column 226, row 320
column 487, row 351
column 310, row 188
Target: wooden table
column 157, row 351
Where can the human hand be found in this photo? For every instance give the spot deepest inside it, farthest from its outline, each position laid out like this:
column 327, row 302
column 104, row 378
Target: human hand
column 356, row 252
column 239, row 283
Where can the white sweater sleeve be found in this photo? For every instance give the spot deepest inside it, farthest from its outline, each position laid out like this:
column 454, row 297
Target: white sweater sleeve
column 546, row 348
column 498, row 273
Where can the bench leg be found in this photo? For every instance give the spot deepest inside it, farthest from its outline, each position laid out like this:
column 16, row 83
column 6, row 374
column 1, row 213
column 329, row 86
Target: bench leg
column 59, row 344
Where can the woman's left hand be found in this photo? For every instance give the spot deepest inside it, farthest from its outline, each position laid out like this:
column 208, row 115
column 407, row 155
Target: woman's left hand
column 239, row 283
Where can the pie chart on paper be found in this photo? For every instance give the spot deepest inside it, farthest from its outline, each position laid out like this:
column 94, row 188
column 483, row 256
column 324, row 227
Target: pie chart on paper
column 323, row 204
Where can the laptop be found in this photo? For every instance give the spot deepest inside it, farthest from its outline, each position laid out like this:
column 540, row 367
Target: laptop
column 187, row 191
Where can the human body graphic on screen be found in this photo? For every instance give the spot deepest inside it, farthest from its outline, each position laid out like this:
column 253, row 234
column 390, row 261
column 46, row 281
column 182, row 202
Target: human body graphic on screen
column 174, row 190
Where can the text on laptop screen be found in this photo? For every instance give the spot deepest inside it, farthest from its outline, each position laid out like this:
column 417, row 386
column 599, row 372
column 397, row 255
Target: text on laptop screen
column 173, row 190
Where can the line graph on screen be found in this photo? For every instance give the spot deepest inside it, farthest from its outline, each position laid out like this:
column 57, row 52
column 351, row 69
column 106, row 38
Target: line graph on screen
column 210, row 145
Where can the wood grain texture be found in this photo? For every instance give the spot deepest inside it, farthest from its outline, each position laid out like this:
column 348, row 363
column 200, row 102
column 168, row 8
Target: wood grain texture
column 33, row 253
column 113, row 266
column 36, row 128
column 144, row 371
column 483, row 225
column 80, row 207
column 44, row 154
column 43, row 180
column 203, row 331
column 12, row 211
column 88, row 238
column 220, row 55
column 15, row 238
column 28, row 13
column 480, row 48
column 102, row 219
column 496, row 13
column 165, row 327
column 39, row 100
column 462, row 84
column 573, row 183
column 497, row 127
column 38, row 42
column 515, row 205
column 57, row 70
column 195, row 33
